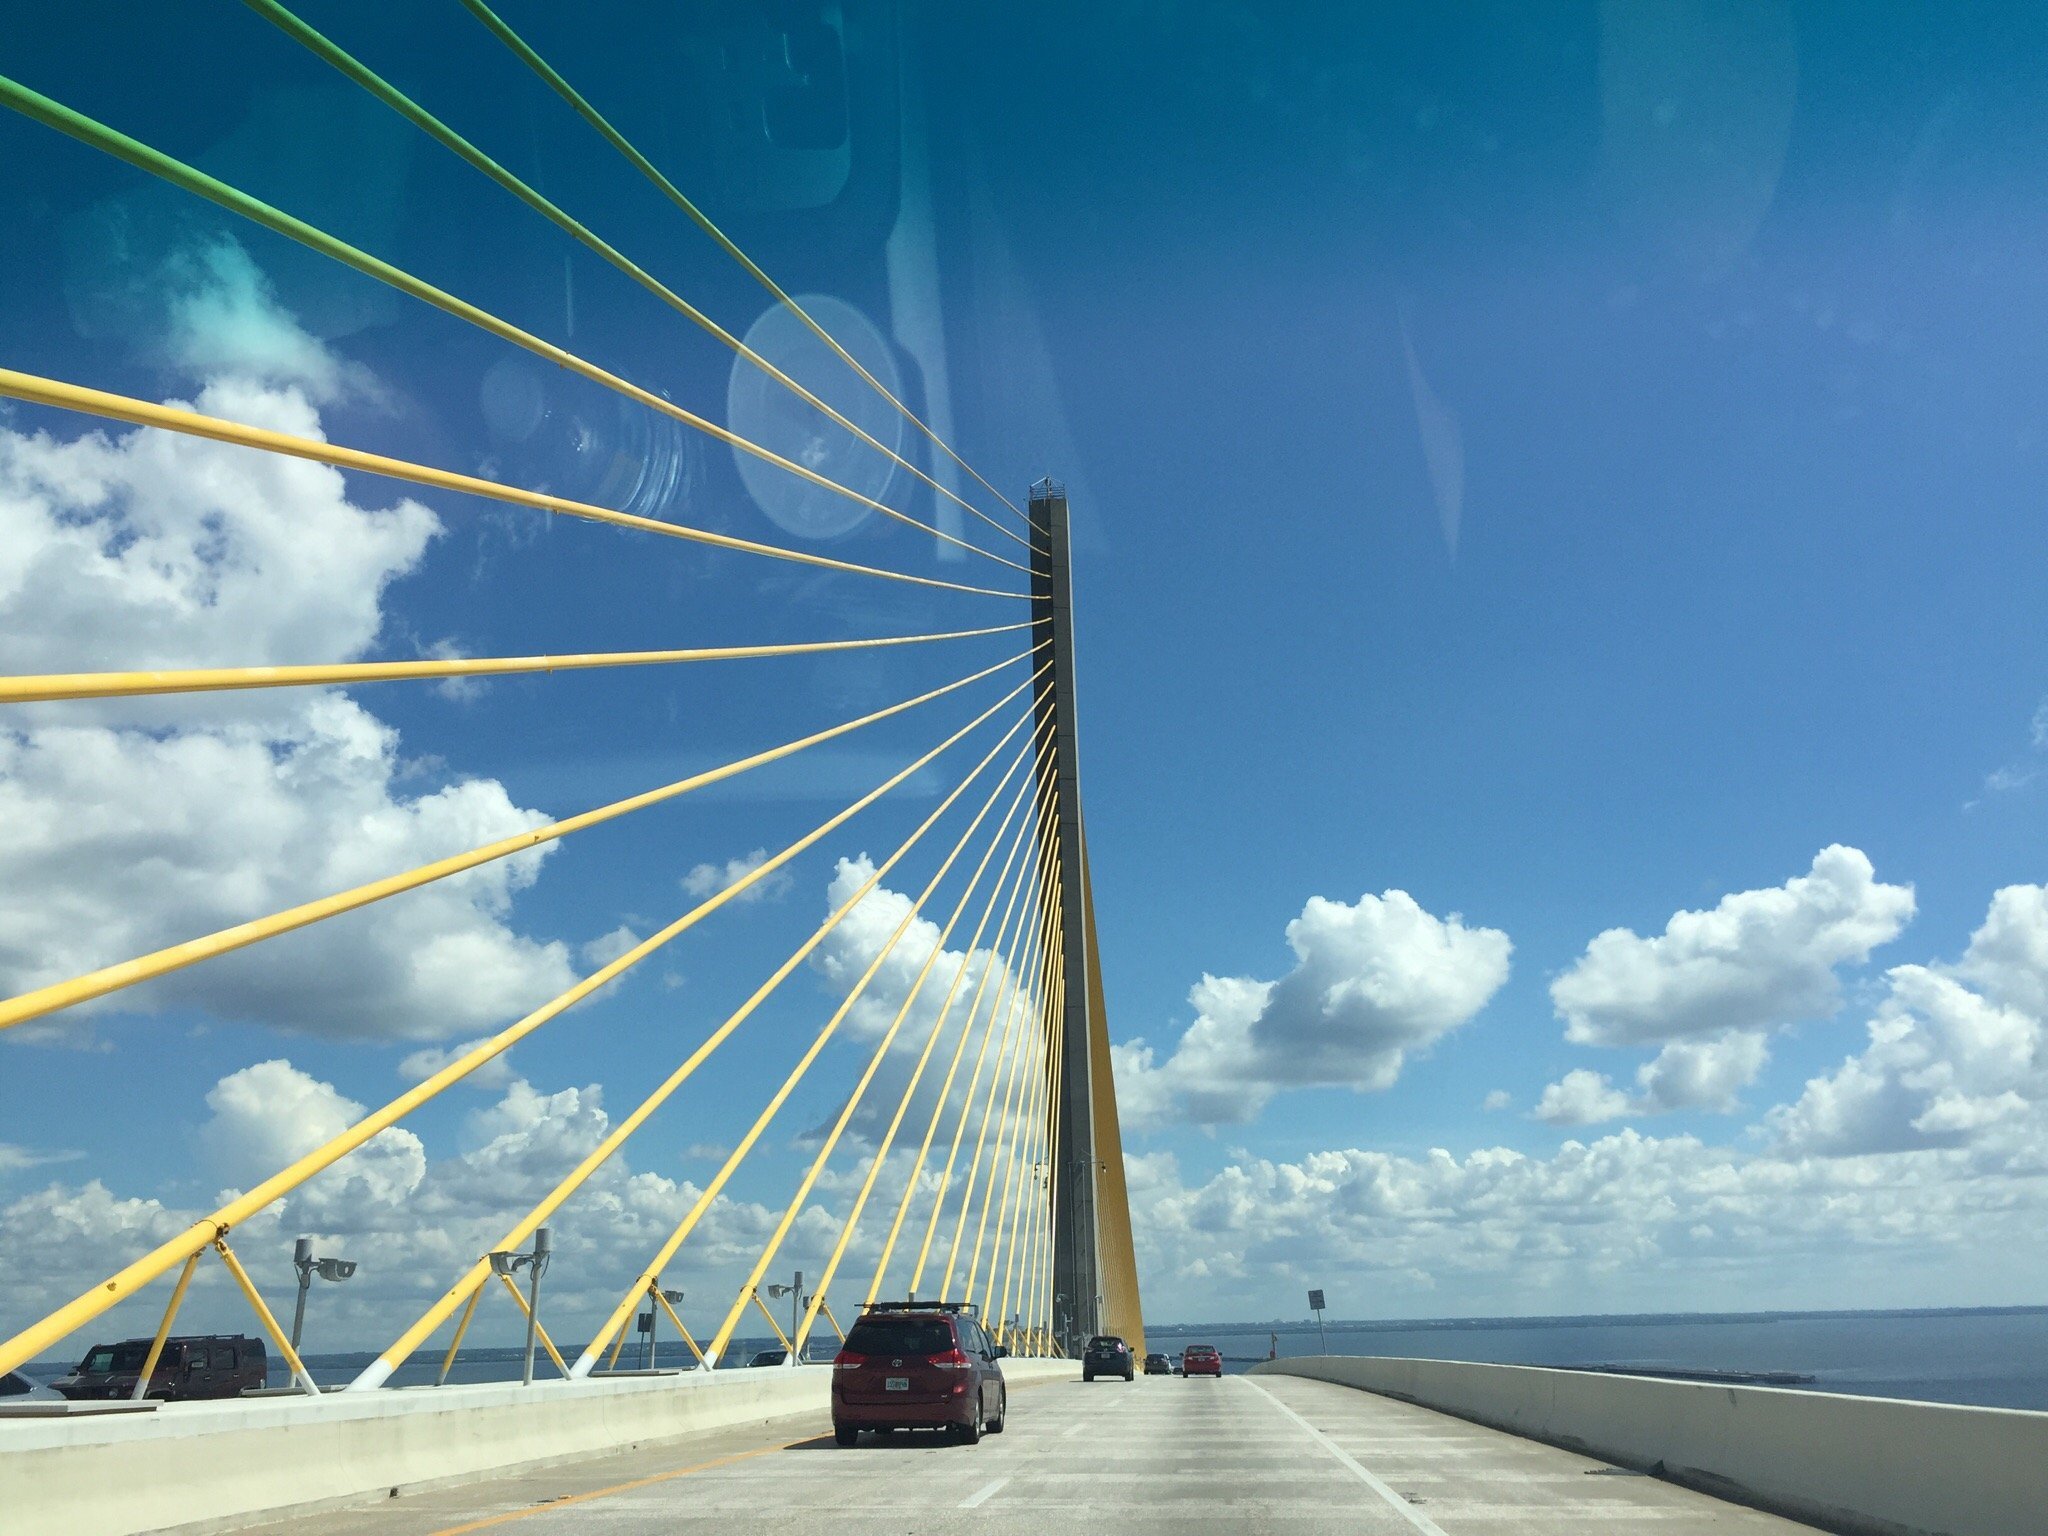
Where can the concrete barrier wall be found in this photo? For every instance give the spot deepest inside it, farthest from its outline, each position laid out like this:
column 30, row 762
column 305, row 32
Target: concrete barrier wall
column 1859, row 1464
column 213, row 1466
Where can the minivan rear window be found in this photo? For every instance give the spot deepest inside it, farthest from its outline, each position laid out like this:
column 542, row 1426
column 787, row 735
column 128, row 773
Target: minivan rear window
column 900, row 1336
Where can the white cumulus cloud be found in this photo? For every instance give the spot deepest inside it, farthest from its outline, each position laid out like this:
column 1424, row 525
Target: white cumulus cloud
column 1374, row 980
column 412, row 1216
column 1701, row 1073
column 1581, row 1097
column 1627, row 1222
column 1958, row 1054
column 1712, row 987
column 1757, row 960
column 137, row 824
column 961, row 990
column 709, row 879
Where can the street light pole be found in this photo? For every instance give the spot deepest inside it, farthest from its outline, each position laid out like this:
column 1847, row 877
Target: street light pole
column 302, row 1261
column 308, row 1266
column 795, row 1292
column 536, row 1265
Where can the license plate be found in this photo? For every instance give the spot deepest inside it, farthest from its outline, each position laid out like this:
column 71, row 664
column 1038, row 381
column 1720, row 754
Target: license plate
column 897, row 1384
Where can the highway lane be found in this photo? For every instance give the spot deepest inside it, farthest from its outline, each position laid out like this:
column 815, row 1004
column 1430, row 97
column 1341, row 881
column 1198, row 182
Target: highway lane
column 1271, row 1454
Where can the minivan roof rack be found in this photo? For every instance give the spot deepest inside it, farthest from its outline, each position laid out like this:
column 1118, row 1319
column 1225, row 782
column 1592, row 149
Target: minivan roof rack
column 966, row 1308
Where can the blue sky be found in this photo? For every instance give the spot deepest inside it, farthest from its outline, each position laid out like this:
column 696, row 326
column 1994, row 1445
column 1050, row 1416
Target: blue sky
column 1532, row 478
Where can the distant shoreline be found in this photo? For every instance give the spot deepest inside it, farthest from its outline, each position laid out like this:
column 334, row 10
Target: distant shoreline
column 1581, row 1320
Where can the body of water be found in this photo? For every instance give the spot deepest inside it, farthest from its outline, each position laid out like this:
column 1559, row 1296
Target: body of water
column 1990, row 1357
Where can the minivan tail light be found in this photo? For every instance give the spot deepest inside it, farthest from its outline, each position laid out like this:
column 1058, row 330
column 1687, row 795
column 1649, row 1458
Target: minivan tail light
column 952, row 1360
column 847, row 1360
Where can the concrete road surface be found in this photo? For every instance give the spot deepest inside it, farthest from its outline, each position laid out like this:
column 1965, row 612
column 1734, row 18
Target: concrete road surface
column 1244, row 1454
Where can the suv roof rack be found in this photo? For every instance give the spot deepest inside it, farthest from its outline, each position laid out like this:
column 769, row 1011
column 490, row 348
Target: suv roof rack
column 966, row 1308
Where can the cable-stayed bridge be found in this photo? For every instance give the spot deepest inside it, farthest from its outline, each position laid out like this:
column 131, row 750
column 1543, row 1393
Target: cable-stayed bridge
column 974, row 1153
column 1023, row 1123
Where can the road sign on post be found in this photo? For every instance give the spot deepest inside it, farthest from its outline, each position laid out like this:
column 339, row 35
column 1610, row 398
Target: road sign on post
column 1315, row 1305
column 1315, row 1301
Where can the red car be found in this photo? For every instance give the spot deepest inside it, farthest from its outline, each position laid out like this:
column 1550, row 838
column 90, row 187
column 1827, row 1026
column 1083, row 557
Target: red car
column 1201, row 1360
column 918, row 1365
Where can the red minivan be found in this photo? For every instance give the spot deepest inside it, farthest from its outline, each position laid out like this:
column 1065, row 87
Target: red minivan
column 918, row 1365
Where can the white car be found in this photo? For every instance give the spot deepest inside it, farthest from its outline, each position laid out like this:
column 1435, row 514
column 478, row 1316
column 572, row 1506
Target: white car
column 18, row 1388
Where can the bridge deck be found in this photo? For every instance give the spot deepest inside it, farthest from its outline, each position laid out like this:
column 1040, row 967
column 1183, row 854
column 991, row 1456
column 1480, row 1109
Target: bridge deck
column 1266, row 1454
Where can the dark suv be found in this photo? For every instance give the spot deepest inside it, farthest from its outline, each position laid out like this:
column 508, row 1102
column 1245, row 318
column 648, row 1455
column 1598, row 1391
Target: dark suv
column 192, row 1366
column 1107, row 1355
column 918, row 1365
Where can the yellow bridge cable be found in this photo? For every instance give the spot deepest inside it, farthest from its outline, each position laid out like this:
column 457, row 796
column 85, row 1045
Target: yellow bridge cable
column 1029, row 1210
column 325, row 48
column 107, row 685
column 740, row 1151
column 38, row 390
column 1042, row 1281
column 932, row 1037
column 379, row 1370
column 1003, row 1246
column 1016, row 1116
column 1000, row 952
column 33, row 1341
column 1013, row 1030
column 1055, row 1173
column 646, row 167
column 875, row 1060
column 1028, row 1041
column 1016, row 1042
column 53, row 114
column 1024, row 1240
column 1037, row 1188
column 1055, row 981
column 1024, row 1157
column 65, row 994
column 1024, row 944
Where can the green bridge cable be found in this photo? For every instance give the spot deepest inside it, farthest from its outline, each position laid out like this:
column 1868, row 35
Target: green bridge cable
column 38, row 390
column 325, row 48
column 40, row 108
column 647, row 168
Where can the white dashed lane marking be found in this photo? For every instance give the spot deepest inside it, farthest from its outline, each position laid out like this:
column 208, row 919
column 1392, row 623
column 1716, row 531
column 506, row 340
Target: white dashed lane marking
column 983, row 1494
